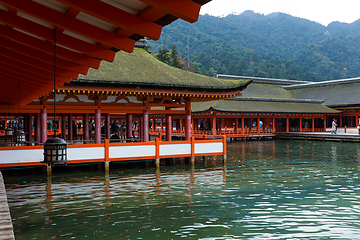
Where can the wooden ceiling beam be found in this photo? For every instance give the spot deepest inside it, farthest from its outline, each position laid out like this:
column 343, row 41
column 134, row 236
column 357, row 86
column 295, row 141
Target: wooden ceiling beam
column 184, row 9
column 25, row 67
column 44, row 46
column 71, row 24
column 41, row 59
column 61, row 38
column 30, row 73
column 21, row 77
column 117, row 17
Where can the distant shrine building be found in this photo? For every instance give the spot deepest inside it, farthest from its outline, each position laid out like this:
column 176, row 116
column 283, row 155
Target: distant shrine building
column 268, row 106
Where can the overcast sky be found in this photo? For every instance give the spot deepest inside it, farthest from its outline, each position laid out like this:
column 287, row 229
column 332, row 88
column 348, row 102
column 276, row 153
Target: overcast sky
column 321, row 11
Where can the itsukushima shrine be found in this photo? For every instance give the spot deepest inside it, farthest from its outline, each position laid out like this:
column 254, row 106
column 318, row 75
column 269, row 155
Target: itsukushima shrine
column 61, row 44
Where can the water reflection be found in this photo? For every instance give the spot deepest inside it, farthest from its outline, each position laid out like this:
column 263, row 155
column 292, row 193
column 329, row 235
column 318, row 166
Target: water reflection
column 267, row 190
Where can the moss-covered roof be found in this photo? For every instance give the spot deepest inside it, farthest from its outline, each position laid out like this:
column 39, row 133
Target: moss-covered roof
column 141, row 69
column 266, row 91
column 334, row 95
column 263, row 106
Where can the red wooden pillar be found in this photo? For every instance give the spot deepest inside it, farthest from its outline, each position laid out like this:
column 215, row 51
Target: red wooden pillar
column 300, row 129
column 107, row 126
column 37, row 127
column 236, row 124
column 43, row 125
column 214, row 125
column 287, row 124
column 340, row 122
column 153, row 124
column 243, row 126
column 86, row 129
column 141, row 127
column 273, row 125
column 168, row 124
column 146, row 126
column 128, row 125
column 258, row 125
column 181, row 125
column 325, row 119
column 313, row 124
column 70, row 126
column 63, row 126
column 29, row 127
column 188, row 121
column 97, row 126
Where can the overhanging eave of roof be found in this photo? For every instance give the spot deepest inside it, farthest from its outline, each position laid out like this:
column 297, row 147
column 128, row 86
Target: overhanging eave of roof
column 85, row 32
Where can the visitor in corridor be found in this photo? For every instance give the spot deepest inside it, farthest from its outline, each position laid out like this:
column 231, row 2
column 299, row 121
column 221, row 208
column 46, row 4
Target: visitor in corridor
column 333, row 126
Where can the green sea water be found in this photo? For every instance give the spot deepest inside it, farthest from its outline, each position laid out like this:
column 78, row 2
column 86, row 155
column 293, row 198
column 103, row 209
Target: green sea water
column 267, row 190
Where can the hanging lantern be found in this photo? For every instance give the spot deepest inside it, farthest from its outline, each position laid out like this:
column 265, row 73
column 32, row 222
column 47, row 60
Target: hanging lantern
column 8, row 132
column 55, row 151
column 19, row 137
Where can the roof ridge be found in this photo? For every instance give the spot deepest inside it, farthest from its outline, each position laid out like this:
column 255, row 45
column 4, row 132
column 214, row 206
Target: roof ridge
column 276, row 100
column 322, row 84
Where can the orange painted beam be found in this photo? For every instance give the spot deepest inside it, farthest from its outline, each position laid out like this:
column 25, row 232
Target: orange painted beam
column 46, row 60
column 30, row 69
column 28, row 72
column 117, row 17
column 42, row 46
column 184, row 9
column 17, row 77
column 61, row 39
column 17, row 47
column 72, row 24
column 152, row 14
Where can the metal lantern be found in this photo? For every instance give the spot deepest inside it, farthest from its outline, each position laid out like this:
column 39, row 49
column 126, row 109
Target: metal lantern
column 8, row 132
column 19, row 136
column 55, row 151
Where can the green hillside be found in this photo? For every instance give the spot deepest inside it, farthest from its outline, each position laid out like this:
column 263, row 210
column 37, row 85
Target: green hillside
column 274, row 46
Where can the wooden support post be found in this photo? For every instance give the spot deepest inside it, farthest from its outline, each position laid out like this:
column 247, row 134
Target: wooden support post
column 287, row 124
column 313, row 124
column 70, row 126
column 168, row 125
column 146, row 125
column 38, row 127
column 107, row 126
column 188, row 121
column 258, row 126
column 224, row 149
column 29, row 127
column 214, row 125
column 49, row 169
column 300, row 129
column 86, row 128
column 43, row 125
column 192, row 160
column 97, row 126
column 129, row 126
column 273, row 125
column 157, row 153
column 242, row 126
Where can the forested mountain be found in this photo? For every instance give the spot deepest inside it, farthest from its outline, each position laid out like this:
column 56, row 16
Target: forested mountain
column 275, row 46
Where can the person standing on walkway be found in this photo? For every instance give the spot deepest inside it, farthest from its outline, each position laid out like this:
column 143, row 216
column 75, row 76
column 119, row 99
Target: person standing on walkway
column 333, row 126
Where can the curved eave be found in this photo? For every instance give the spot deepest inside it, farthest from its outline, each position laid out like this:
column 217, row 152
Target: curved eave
column 169, row 87
column 86, row 34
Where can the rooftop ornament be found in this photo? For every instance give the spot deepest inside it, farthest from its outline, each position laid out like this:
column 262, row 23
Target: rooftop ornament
column 55, row 149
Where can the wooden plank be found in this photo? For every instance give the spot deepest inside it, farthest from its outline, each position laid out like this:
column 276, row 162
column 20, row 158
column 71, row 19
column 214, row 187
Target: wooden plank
column 6, row 227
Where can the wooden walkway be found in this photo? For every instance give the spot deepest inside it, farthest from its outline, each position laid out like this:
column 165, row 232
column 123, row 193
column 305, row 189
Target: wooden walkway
column 320, row 136
column 6, row 227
